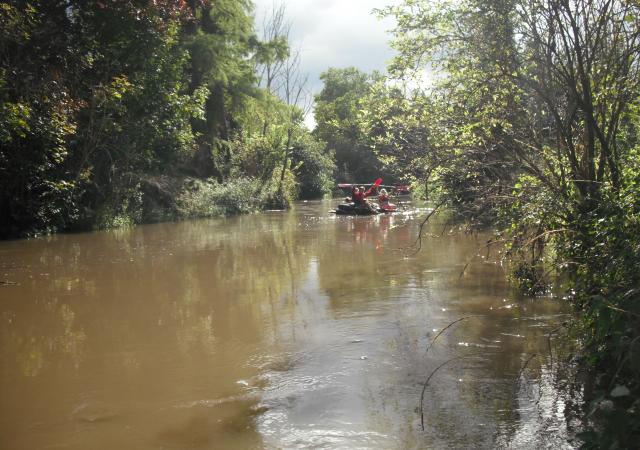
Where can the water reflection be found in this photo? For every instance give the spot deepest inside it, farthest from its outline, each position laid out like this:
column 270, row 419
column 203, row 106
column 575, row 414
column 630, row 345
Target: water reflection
column 282, row 330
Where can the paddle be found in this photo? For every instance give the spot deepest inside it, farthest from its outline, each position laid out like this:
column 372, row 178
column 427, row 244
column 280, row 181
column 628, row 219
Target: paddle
column 348, row 185
column 373, row 187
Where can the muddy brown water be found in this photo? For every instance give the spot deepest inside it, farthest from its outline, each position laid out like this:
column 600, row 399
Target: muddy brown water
column 295, row 329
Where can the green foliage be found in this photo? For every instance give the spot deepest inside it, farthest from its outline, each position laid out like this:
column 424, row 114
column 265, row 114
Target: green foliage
column 101, row 100
column 274, row 139
column 91, row 93
column 315, row 167
column 36, row 119
column 398, row 131
column 338, row 124
column 257, row 155
column 208, row 198
column 605, row 253
column 532, row 125
column 219, row 41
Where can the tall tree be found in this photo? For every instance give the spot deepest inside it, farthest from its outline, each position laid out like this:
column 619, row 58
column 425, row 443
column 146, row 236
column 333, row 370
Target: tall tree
column 220, row 41
column 526, row 77
column 86, row 88
column 337, row 109
column 537, row 103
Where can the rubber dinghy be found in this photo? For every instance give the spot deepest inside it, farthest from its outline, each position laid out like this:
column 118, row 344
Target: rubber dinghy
column 350, row 209
column 388, row 207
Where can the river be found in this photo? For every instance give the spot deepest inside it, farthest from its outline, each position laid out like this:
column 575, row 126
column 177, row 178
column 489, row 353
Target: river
column 296, row 329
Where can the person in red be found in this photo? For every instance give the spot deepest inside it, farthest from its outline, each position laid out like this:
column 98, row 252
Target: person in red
column 356, row 195
column 383, row 198
column 359, row 196
column 383, row 201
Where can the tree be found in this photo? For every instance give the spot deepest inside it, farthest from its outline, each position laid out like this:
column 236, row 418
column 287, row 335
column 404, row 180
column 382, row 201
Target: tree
column 220, row 41
column 532, row 87
column 36, row 118
column 396, row 122
column 338, row 124
column 108, row 107
column 86, row 88
column 537, row 106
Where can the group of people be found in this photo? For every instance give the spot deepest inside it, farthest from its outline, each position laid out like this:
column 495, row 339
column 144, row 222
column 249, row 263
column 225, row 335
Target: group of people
column 359, row 197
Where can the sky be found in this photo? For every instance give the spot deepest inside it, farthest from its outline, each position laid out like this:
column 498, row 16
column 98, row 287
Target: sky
column 335, row 33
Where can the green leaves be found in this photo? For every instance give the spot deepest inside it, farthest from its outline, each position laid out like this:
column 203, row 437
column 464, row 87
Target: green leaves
column 531, row 125
column 14, row 121
column 338, row 118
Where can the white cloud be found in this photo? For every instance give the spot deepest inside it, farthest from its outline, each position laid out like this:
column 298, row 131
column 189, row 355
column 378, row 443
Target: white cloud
column 335, row 33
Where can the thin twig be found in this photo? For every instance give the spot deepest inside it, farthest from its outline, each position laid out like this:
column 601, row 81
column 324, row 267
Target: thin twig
column 487, row 244
column 418, row 240
column 524, row 366
column 424, row 387
column 426, row 383
column 549, row 341
column 444, row 228
column 447, row 327
column 615, row 308
column 542, row 235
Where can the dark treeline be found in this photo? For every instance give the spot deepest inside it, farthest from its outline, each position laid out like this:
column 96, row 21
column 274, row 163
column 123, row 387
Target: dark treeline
column 116, row 112
column 528, row 124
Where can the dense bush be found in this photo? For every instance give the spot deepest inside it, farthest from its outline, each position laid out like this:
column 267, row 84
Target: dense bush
column 314, row 168
column 604, row 254
column 208, row 198
column 102, row 102
column 532, row 126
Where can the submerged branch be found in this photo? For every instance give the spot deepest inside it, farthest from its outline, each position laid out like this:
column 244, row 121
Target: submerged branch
column 524, row 366
column 426, row 383
column 418, row 241
column 521, row 371
column 488, row 244
column 447, row 327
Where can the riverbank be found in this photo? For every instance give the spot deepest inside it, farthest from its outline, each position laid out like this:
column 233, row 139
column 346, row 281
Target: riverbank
column 139, row 199
column 603, row 255
column 165, row 198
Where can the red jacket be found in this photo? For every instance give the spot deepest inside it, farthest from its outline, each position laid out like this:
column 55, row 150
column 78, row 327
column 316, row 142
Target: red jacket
column 358, row 197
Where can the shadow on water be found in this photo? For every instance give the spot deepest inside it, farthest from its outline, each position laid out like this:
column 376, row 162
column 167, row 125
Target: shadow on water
column 282, row 330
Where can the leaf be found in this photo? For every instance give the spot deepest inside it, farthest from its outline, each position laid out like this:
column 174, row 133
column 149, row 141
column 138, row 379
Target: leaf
column 620, row 391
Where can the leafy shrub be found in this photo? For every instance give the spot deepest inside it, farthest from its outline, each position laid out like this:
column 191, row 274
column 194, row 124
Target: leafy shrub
column 315, row 167
column 209, row 198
